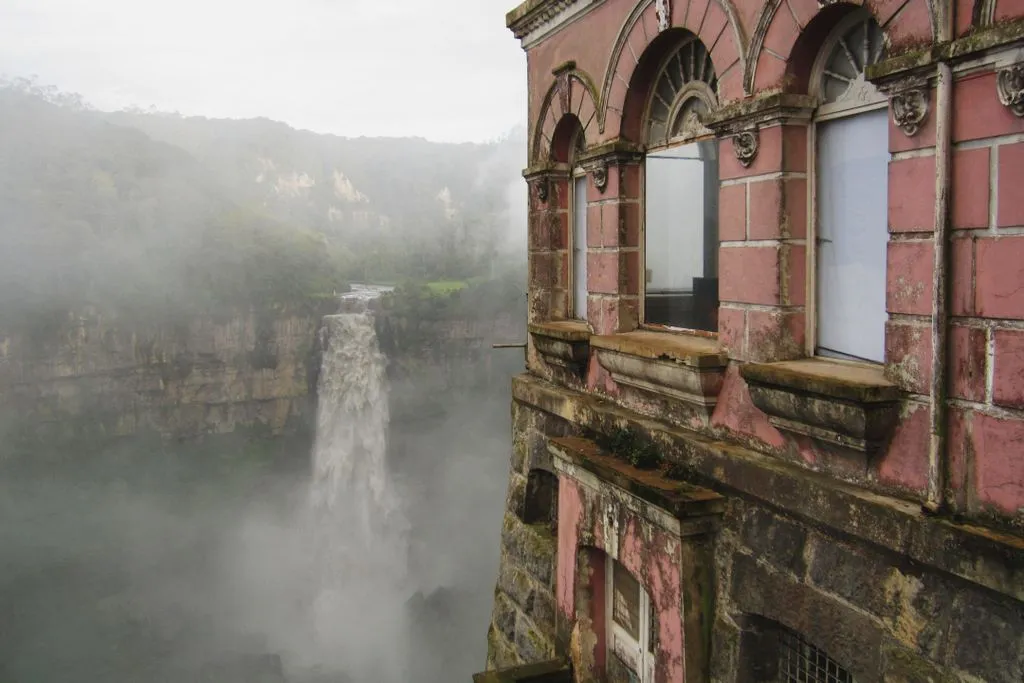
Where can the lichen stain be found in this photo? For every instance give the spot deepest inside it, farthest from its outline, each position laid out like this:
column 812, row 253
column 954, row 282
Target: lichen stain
column 665, row 595
column 570, row 514
column 900, row 591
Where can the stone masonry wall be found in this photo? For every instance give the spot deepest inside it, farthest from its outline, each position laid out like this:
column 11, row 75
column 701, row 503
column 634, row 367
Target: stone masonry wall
column 885, row 592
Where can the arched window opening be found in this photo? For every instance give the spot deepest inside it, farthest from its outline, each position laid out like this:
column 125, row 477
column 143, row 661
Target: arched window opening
column 773, row 653
column 801, row 662
column 681, row 194
column 851, row 135
column 540, row 505
column 630, row 626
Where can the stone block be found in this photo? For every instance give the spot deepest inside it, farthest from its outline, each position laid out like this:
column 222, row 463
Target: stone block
column 732, row 213
column 989, row 638
column 749, row 275
column 999, row 277
column 971, row 185
column 1008, row 382
column 1010, row 211
column 912, row 194
column 844, row 633
column 774, row 539
column 909, row 268
column 908, row 349
column 504, row 616
column 967, row 364
column 533, row 646
column 988, row 117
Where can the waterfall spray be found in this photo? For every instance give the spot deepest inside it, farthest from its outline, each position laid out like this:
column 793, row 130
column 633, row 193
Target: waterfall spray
column 360, row 531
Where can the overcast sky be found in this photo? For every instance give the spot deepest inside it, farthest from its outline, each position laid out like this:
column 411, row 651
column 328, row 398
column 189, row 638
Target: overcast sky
column 446, row 70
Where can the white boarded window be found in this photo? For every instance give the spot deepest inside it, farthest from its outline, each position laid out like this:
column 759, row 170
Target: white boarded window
column 851, row 195
column 579, row 247
column 630, row 625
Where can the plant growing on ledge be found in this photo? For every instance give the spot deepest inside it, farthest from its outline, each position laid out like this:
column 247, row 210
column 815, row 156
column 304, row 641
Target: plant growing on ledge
column 629, row 445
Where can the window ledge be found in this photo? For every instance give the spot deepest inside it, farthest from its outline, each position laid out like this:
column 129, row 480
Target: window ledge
column 845, row 405
column 677, row 366
column 564, row 343
column 573, row 456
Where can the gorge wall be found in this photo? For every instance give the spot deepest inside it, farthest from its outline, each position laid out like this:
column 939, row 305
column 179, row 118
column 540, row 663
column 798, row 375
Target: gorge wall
column 87, row 376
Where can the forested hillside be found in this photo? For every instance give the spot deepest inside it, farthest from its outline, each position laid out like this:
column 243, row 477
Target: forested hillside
column 147, row 209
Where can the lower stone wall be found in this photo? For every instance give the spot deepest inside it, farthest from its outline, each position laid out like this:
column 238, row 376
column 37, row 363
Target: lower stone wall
column 887, row 592
column 522, row 627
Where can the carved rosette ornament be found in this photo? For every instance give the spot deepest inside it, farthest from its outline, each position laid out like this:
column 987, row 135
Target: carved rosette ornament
column 745, row 143
column 663, row 10
column 909, row 108
column 1010, row 86
column 600, row 174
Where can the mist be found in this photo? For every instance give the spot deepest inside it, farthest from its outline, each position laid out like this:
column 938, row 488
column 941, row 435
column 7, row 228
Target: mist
column 162, row 292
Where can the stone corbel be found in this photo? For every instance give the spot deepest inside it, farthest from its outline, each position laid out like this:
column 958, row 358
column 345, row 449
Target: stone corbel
column 1010, row 88
column 908, row 101
column 541, row 188
column 909, row 107
column 745, row 143
column 600, row 175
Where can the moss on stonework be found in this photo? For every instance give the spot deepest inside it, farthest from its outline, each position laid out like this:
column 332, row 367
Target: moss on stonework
column 630, row 445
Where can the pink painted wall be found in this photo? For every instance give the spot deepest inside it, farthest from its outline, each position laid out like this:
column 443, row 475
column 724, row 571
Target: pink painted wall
column 763, row 222
column 650, row 554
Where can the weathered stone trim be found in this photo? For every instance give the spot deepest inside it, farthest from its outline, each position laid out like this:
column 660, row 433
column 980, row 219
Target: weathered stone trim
column 563, row 343
column 535, row 20
column 981, row 556
column 836, row 405
column 770, row 110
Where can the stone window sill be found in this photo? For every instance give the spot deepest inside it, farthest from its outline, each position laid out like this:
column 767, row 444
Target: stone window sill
column 577, row 458
column 680, row 367
column 563, row 343
column 849, row 406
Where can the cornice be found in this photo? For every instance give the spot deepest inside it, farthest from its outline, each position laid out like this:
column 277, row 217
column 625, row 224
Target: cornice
column 536, row 19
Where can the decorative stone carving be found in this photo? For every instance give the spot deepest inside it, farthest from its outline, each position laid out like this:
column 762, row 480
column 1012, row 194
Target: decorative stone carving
column 1010, row 86
column 745, row 143
column 541, row 188
column 564, row 90
column 909, row 108
column 663, row 10
column 600, row 174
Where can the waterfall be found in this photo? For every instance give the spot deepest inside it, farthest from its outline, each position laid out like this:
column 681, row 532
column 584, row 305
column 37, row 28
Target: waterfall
column 359, row 529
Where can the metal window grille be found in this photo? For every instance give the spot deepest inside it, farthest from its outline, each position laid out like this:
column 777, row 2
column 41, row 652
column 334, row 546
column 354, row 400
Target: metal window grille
column 801, row 662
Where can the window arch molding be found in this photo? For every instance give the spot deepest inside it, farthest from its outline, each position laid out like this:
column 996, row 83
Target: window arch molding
column 684, row 91
column 837, row 77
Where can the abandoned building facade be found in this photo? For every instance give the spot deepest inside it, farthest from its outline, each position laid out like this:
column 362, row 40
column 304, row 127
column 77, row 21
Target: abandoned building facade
column 772, row 422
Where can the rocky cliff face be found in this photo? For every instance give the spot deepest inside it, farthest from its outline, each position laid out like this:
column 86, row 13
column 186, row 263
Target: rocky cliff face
column 88, row 375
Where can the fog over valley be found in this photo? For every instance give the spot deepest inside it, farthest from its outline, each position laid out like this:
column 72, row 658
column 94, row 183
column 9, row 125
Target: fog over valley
column 252, row 423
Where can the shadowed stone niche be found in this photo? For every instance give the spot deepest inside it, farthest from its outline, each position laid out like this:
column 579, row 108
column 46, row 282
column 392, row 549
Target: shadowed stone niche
column 619, row 525
column 843, row 408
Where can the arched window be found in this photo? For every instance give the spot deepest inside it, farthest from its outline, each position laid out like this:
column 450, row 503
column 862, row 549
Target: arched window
column 851, row 133
column 681, row 194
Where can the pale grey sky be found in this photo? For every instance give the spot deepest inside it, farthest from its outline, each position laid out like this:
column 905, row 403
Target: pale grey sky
column 446, row 70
